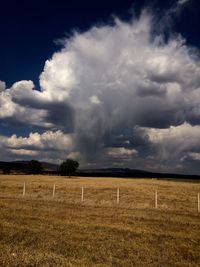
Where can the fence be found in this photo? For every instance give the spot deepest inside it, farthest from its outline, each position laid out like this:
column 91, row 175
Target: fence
column 123, row 197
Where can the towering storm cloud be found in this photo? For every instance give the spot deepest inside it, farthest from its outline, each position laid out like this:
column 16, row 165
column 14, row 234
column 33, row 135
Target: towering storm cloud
column 116, row 95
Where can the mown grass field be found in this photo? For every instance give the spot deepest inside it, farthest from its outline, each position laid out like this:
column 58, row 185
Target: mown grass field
column 39, row 230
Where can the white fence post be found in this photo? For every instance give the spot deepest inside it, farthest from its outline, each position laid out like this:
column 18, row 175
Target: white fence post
column 24, row 189
column 156, row 199
column 82, row 194
column 54, row 189
column 117, row 195
column 198, row 200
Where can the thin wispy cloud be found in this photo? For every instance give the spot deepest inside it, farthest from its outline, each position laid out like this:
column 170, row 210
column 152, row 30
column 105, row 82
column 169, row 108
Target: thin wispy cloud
column 182, row 2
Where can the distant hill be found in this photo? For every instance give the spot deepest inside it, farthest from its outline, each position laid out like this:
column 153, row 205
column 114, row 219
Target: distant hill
column 50, row 168
column 21, row 166
column 126, row 172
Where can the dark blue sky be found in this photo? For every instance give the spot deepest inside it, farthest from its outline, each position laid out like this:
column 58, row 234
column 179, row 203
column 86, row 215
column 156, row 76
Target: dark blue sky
column 28, row 29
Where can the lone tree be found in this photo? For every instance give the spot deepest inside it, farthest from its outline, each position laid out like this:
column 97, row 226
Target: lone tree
column 6, row 169
column 34, row 167
column 68, row 167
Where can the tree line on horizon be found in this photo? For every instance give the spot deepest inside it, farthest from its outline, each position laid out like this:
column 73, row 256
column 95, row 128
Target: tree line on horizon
column 66, row 168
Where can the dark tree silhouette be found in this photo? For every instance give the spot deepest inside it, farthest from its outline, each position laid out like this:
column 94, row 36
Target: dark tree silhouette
column 68, row 167
column 6, row 169
column 34, row 167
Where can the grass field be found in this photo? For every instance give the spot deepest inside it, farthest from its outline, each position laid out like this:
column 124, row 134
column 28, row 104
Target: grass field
column 39, row 230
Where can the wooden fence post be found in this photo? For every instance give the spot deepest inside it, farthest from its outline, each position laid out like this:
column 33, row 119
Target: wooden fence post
column 54, row 189
column 82, row 194
column 117, row 195
column 156, row 199
column 24, row 189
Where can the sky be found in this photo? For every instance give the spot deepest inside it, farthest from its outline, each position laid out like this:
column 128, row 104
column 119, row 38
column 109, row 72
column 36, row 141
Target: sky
column 108, row 83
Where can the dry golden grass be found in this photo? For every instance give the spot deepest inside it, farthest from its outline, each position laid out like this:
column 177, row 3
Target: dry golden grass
column 37, row 230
